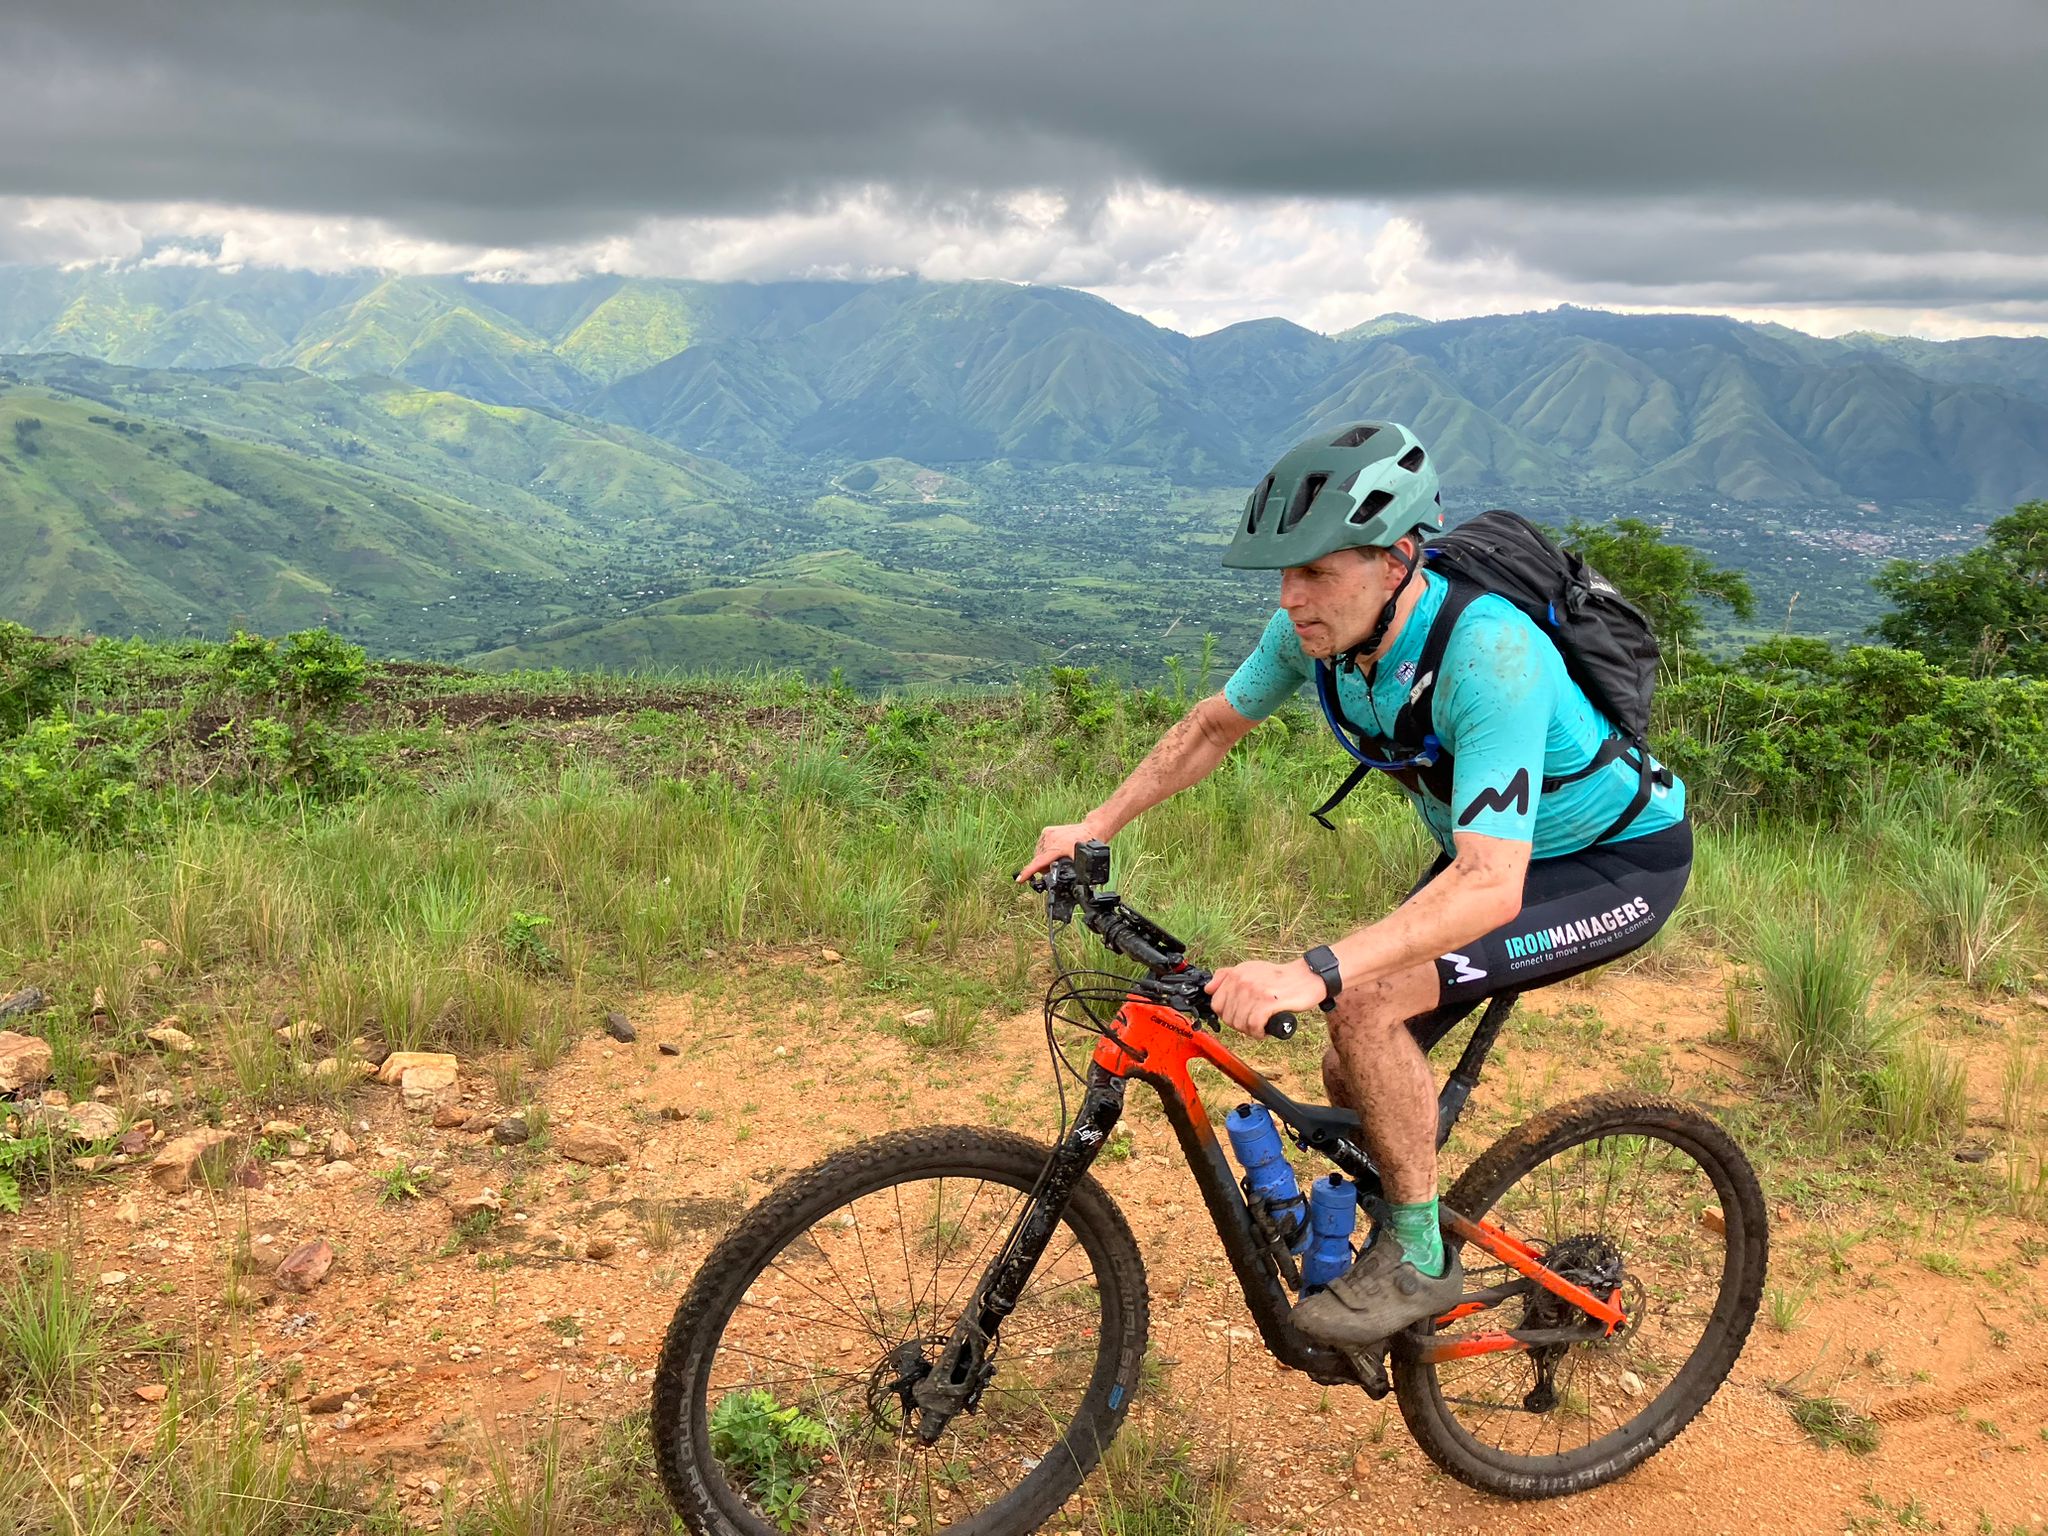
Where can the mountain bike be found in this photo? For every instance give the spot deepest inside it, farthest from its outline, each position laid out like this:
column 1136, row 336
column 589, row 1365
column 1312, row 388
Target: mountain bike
column 942, row 1329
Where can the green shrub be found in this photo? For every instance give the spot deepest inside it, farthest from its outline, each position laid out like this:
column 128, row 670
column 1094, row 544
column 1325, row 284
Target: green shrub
column 34, row 676
column 57, row 777
column 771, row 1448
column 1799, row 730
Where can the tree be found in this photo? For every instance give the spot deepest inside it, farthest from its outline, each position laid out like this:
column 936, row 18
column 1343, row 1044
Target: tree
column 1982, row 612
column 1663, row 579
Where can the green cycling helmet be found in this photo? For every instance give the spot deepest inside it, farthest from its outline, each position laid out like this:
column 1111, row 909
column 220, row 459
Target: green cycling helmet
column 1359, row 487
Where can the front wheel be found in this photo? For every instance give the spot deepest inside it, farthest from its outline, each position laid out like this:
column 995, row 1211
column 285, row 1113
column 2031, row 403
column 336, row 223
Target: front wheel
column 1617, row 1191
column 786, row 1395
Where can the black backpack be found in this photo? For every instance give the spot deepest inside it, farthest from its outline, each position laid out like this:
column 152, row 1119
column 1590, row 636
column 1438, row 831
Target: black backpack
column 1608, row 647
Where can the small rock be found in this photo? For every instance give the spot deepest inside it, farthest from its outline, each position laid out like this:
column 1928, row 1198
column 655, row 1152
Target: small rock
column 478, row 1121
column 156, row 949
column 616, row 1336
column 671, row 1112
column 283, row 1128
column 450, row 1117
column 135, row 1140
column 510, row 1131
column 476, row 1204
column 1713, row 1221
column 1973, row 1154
column 392, row 1069
column 250, row 1175
column 600, row 1248
column 619, row 1027
column 830, row 956
column 154, row 1392
column 1631, row 1384
column 330, row 1402
column 919, row 1016
column 79, row 1122
column 326, row 1066
column 583, row 1142
column 305, row 1266
column 129, row 1211
column 301, row 1033
column 296, row 1149
column 426, row 1088
column 27, row 1000
column 340, row 1145
column 24, row 1061
column 158, row 1098
column 113, row 1277
column 178, row 1160
column 97, row 1163
column 669, row 1048
column 167, row 1036
column 334, row 1172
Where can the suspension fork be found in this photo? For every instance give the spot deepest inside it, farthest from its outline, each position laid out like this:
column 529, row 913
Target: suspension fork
column 964, row 1367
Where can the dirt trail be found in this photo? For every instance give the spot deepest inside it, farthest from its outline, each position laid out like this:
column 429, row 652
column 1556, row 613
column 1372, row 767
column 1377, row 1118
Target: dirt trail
column 566, row 1300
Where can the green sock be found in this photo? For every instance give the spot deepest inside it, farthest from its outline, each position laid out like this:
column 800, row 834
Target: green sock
column 1421, row 1239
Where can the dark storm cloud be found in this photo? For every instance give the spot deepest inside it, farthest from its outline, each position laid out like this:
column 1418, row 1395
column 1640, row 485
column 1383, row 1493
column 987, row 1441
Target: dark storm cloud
column 523, row 121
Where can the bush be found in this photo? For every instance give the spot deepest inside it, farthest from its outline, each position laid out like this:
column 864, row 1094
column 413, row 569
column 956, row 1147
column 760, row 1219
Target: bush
column 34, row 677
column 1797, row 729
column 54, row 777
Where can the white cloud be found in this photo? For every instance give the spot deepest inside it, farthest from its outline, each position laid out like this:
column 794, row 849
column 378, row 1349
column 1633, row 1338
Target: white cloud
column 1182, row 259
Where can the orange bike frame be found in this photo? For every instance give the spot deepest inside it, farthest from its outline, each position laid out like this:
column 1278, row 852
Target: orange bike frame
column 1157, row 1045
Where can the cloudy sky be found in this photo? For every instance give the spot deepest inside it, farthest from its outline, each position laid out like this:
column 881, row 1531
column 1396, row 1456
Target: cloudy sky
column 1200, row 161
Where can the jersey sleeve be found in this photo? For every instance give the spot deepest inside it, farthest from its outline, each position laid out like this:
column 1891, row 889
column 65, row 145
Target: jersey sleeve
column 1268, row 677
column 1492, row 712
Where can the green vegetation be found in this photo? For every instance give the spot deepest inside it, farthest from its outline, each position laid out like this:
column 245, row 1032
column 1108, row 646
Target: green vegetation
column 1664, row 579
column 771, row 1448
column 1981, row 612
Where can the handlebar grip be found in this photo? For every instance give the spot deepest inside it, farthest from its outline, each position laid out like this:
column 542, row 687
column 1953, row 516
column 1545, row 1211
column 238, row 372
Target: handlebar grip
column 1282, row 1026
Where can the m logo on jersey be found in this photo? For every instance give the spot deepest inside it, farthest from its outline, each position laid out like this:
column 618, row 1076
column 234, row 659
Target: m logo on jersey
column 1513, row 798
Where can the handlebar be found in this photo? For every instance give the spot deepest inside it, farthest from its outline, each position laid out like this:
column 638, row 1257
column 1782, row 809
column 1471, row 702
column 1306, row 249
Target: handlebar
column 1074, row 885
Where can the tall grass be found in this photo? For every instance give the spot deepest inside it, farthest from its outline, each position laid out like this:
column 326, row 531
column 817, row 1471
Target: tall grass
column 52, row 1345
column 1819, row 980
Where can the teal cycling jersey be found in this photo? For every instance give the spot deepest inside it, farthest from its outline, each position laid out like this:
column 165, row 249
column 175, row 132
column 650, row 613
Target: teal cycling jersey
column 1506, row 711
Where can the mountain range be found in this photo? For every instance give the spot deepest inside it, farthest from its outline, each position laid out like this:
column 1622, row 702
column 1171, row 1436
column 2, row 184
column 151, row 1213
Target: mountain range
column 1560, row 404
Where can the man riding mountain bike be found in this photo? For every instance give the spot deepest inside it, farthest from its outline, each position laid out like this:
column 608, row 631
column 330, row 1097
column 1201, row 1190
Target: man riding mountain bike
column 1564, row 845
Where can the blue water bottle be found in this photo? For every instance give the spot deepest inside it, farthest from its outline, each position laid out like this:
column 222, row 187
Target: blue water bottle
column 1268, row 1174
column 1332, row 1218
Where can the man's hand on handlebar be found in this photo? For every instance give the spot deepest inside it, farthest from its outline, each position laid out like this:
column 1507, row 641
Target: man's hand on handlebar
column 1247, row 995
column 1058, row 843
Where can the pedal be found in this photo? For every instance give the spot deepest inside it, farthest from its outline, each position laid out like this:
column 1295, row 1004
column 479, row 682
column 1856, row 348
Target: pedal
column 1372, row 1370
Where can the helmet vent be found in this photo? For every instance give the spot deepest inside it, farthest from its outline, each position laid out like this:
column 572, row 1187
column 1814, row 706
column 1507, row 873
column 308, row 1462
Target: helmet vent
column 1412, row 459
column 1257, row 505
column 1372, row 506
column 1352, row 437
column 1304, row 496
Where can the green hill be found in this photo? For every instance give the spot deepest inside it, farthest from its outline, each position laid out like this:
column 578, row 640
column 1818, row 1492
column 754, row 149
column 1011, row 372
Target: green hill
column 831, row 610
column 1569, row 401
column 122, row 524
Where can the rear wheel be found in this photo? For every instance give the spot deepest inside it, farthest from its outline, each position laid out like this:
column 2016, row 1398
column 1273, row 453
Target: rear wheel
column 785, row 1395
column 1619, row 1189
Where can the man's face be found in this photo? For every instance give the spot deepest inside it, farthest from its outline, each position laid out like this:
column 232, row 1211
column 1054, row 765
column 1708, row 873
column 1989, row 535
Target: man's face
column 1335, row 601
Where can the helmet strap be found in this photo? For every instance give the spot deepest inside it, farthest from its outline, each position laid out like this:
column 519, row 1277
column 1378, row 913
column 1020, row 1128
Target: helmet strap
column 1372, row 641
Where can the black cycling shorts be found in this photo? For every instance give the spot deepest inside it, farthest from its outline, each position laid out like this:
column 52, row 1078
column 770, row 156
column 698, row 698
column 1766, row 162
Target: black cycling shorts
column 1579, row 911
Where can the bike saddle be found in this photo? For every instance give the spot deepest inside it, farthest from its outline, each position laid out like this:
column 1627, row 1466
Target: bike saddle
column 1319, row 1125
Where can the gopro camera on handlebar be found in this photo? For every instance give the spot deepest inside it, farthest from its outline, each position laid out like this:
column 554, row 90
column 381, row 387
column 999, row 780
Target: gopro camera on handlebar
column 1075, row 883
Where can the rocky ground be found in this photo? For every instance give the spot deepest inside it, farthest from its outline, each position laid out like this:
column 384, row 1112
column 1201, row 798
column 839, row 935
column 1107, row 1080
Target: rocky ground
column 450, row 1255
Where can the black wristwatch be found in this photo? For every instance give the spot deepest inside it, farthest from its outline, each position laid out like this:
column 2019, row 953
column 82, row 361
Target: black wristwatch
column 1324, row 963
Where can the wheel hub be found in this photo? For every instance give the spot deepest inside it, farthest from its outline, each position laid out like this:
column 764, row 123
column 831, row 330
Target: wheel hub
column 897, row 1375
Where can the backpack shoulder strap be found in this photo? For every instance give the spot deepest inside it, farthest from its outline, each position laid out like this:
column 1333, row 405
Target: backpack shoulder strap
column 1416, row 721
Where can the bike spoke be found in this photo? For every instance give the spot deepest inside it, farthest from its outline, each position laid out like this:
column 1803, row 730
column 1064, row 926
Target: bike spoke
column 836, row 1366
